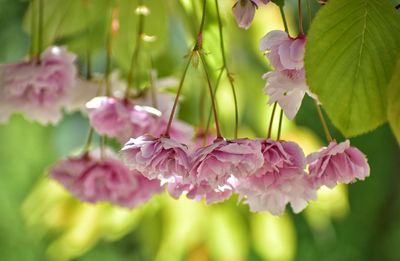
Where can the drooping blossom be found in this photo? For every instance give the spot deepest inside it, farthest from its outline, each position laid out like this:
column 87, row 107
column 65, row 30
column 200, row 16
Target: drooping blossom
column 216, row 163
column 284, row 53
column 244, row 11
column 287, row 84
column 281, row 180
column 93, row 179
column 157, row 158
column 38, row 90
column 202, row 190
column 120, row 119
column 287, row 91
column 337, row 163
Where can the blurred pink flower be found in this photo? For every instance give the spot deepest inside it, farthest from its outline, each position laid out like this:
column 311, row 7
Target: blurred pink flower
column 284, row 52
column 39, row 91
column 244, row 11
column 216, row 163
column 119, row 118
column 279, row 181
column 93, row 180
column 337, row 163
column 157, row 158
column 201, row 191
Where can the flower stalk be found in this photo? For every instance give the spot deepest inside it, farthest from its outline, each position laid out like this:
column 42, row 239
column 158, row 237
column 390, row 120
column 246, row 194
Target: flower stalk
column 135, row 55
column 225, row 67
column 40, row 29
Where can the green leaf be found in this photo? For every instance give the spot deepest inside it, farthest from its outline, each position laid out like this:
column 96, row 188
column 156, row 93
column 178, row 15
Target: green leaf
column 393, row 112
column 350, row 56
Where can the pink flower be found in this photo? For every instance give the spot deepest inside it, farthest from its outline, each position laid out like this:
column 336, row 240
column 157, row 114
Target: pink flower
column 93, row 180
column 284, row 52
column 244, row 11
column 161, row 158
column 120, row 119
column 337, row 163
column 287, row 91
column 39, row 91
column 202, row 190
column 279, row 181
column 216, row 163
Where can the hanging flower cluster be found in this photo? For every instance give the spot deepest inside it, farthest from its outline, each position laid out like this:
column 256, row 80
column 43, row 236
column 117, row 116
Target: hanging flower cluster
column 286, row 85
column 160, row 153
column 39, row 90
column 94, row 179
column 268, row 174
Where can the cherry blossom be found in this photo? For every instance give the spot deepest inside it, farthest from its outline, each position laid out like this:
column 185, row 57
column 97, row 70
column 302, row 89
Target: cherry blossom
column 216, row 163
column 93, row 179
column 337, row 163
column 120, row 119
column 244, row 11
column 157, row 158
column 281, row 180
column 38, row 90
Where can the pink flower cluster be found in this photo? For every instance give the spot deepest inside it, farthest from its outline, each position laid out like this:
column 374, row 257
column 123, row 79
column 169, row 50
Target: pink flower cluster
column 122, row 119
column 286, row 85
column 267, row 174
column 38, row 90
column 93, row 179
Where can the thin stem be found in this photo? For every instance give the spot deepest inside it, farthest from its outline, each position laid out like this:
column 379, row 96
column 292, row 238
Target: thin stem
column 108, row 61
column 225, row 66
column 280, row 124
column 215, row 92
column 213, row 101
column 271, row 120
column 202, row 103
column 33, row 30
column 285, row 24
column 152, row 76
column 103, row 143
column 203, row 17
column 301, row 32
column 273, row 111
column 86, row 147
column 136, row 50
column 88, row 44
column 323, row 122
column 171, row 116
column 40, row 29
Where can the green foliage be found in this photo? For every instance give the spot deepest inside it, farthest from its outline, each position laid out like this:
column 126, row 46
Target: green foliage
column 349, row 60
column 279, row 2
column 394, row 102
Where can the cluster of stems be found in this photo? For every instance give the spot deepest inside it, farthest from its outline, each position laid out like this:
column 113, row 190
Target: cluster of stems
column 320, row 114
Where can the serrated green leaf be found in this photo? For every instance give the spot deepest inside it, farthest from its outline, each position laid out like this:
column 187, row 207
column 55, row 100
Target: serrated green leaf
column 393, row 112
column 350, row 56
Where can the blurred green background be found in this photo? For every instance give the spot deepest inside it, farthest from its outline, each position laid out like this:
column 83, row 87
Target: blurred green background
column 39, row 220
